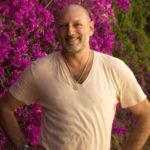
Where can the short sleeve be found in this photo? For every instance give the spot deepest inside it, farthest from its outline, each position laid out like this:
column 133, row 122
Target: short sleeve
column 130, row 92
column 25, row 88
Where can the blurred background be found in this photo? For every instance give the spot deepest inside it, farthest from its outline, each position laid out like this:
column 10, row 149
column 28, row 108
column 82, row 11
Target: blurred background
column 28, row 32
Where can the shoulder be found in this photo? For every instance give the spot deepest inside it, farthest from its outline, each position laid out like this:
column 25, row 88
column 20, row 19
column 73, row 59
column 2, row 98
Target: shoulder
column 45, row 62
column 113, row 66
column 110, row 62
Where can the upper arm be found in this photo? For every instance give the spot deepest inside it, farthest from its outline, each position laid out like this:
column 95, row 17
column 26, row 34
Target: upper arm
column 141, row 109
column 9, row 102
column 25, row 88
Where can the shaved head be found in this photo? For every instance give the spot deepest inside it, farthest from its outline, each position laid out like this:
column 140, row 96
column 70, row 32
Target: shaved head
column 74, row 28
column 72, row 7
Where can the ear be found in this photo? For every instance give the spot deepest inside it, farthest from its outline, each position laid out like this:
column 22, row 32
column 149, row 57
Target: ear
column 91, row 28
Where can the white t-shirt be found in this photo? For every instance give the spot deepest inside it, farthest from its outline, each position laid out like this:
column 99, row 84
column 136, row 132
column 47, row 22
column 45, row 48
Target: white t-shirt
column 77, row 119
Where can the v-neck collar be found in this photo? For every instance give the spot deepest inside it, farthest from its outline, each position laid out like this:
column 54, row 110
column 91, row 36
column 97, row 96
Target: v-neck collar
column 68, row 76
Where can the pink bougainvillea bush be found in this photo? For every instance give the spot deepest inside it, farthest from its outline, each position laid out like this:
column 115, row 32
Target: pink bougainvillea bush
column 27, row 32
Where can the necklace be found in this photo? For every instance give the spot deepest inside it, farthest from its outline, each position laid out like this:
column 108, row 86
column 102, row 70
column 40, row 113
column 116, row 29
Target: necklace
column 76, row 84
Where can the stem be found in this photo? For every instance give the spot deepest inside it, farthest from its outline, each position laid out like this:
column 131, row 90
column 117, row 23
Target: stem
column 49, row 3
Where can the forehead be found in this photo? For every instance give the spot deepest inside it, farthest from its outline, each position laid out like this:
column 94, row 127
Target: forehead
column 73, row 14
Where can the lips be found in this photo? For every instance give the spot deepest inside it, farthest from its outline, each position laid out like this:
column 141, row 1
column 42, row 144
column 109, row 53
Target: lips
column 72, row 40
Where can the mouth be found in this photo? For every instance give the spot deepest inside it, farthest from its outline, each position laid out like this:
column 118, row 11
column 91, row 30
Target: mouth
column 72, row 40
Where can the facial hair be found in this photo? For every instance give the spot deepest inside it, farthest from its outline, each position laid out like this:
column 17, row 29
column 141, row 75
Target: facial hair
column 73, row 46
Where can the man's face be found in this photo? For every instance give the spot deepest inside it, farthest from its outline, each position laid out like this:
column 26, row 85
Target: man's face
column 74, row 30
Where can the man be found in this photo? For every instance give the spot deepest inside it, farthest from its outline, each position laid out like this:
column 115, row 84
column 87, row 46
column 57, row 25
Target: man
column 78, row 90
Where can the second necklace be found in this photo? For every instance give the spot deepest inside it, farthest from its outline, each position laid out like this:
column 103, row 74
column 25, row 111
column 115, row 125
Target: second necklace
column 76, row 83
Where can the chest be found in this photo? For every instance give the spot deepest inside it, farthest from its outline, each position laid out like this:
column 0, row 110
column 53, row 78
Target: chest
column 80, row 74
column 57, row 92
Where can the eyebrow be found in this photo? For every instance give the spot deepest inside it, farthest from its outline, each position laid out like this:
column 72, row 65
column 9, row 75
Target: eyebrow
column 75, row 21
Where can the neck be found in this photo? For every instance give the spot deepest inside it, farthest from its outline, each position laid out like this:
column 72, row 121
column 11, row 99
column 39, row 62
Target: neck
column 77, row 59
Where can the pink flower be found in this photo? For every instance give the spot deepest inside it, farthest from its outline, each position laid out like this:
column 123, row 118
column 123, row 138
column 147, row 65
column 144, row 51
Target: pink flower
column 21, row 45
column 1, row 71
column 124, row 5
column 1, row 25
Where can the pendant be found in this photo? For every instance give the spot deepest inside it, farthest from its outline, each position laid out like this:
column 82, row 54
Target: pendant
column 76, row 86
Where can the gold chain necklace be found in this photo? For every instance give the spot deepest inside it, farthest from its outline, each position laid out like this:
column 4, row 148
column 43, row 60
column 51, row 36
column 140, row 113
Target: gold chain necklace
column 76, row 84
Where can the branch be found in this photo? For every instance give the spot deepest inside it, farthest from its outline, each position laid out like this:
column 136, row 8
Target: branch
column 48, row 3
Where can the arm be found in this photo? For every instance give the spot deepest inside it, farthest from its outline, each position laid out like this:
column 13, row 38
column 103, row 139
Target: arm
column 141, row 132
column 8, row 121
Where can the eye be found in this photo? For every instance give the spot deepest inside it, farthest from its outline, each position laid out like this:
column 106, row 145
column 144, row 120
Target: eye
column 62, row 25
column 77, row 25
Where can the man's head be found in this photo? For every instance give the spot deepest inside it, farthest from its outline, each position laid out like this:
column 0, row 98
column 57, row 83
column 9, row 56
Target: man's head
column 74, row 28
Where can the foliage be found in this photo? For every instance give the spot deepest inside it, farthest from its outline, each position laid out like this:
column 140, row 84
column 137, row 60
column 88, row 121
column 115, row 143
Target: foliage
column 27, row 32
column 132, row 44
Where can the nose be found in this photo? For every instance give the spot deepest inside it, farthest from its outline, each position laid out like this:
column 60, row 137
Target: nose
column 70, row 30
